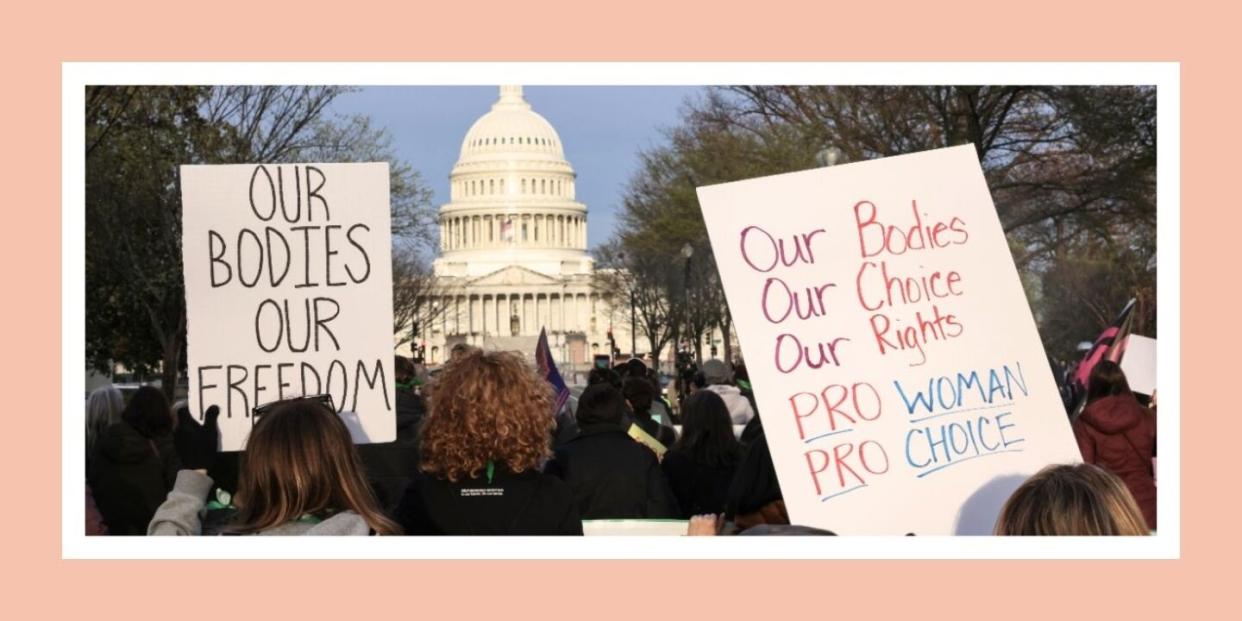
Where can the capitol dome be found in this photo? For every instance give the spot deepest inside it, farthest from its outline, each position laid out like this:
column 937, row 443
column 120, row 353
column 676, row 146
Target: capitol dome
column 511, row 130
column 512, row 198
column 513, row 261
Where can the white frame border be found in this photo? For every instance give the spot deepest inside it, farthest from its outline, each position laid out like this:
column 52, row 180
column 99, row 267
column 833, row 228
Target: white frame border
column 1166, row 76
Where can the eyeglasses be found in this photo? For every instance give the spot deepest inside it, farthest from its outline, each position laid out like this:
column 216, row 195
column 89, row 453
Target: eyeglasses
column 323, row 399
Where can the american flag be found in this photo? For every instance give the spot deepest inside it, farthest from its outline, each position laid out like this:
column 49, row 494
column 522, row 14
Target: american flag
column 506, row 229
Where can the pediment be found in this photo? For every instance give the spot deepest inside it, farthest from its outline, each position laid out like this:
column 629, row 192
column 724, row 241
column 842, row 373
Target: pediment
column 514, row 275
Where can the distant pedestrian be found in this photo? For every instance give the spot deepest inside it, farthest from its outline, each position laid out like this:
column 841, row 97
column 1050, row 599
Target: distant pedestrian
column 718, row 377
column 611, row 475
column 135, row 463
column 1117, row 433
column 700, row 466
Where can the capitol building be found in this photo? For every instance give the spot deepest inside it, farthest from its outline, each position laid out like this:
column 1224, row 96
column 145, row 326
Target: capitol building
column 513, row 248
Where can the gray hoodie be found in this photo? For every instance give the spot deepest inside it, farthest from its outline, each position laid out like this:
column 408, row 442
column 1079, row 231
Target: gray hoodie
column 181, row 513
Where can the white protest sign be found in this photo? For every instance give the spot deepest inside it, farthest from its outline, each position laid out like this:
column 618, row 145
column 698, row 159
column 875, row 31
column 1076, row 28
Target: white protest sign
column 288, row 290
column 1139, row 363
column 895, row 361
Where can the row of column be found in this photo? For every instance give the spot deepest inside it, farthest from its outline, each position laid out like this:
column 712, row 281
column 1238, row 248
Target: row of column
column 535, row 186
column 524, row 230
column 518, row 314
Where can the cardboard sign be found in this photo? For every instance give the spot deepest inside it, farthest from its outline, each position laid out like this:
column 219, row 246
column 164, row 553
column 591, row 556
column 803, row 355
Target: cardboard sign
column 895, row 361
column 288, row 288
column 1139, row 363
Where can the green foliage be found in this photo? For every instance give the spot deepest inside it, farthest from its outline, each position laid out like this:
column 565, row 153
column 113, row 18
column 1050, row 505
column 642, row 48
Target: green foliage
column 137, row 137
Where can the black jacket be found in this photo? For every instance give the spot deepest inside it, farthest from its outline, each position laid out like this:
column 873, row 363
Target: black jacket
column 612, row 476
column 528, row 503
column 391, row 465
column 699, row 488
column 130, row 476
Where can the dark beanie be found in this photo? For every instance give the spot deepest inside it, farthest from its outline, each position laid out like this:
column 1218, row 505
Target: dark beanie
column 600, row 404
column 754, row 484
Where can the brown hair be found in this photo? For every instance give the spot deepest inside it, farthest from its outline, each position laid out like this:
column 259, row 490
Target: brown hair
column 486, row 407
column 1079, row 499
column 300, row 460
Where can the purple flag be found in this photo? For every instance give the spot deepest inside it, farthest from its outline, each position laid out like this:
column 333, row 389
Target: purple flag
column 547, row 368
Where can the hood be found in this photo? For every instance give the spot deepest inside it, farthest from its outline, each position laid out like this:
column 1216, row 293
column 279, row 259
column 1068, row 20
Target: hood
column 725, row 389
column 123, row 444
column 344, row 523
column 1113, row 415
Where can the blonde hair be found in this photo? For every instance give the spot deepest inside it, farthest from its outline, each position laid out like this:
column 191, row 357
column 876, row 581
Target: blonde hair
column 486, row 406
column 1079, row 499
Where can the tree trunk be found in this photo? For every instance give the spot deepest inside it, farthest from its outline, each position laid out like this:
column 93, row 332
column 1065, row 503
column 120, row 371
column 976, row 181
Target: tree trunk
column 169, row 375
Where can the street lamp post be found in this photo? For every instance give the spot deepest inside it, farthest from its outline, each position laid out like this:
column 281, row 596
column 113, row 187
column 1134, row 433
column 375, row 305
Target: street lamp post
column 687, row 251
column 633, row 312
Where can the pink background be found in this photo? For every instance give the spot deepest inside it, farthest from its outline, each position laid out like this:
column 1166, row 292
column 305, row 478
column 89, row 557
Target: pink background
column 40, row 36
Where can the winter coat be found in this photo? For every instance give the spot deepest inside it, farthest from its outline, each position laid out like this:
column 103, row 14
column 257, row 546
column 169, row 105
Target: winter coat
column 699, row 488
column 526, row 503
column 130, row 476
column 94, row 520
column 391, row 465
column 181, row 512
column 612, row 476
column 1119, row 435
column 739, row 406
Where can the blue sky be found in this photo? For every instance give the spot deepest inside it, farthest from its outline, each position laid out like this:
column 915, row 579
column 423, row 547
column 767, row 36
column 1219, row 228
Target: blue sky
column 603, row 128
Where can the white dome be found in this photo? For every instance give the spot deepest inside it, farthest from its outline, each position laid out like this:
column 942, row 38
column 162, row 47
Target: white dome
column 512, row 198
column 511, row 130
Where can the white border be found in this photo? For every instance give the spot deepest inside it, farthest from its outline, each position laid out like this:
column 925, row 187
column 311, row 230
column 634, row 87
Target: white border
column 1166, row 76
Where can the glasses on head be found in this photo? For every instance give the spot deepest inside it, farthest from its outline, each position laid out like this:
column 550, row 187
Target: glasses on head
column 323, row 399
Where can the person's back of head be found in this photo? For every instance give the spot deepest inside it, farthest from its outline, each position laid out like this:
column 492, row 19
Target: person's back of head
column 460, row 351
column 716, row 372
column 148, row 413
column 403, row 370
column 103, row 407
column 1078, row 499
column 486, row 407
column 640, row 394
column 707, row 431
column 740, row 373
column 604, row 376
column 635, row 368
column 1106, row 380
column 600, row 404
column 300, row 461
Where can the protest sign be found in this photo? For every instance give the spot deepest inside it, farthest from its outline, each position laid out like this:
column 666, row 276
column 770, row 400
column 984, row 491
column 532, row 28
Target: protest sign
column 895, row 361
column 288, row 288
column 1139, row 363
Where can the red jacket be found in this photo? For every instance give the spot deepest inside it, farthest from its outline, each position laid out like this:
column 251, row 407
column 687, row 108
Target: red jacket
column 1118, row 434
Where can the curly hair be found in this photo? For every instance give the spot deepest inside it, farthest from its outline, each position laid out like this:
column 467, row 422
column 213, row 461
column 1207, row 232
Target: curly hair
column 486, row 406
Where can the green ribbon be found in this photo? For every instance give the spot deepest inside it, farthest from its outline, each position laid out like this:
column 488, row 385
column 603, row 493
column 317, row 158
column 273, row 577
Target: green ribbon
column 491, row 470
column 224, row 500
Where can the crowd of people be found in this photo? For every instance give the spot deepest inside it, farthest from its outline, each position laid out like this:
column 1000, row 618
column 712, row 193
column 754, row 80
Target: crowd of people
column 480, row 451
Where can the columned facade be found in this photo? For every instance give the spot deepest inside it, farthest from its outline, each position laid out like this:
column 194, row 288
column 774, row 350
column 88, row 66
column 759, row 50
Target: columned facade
column 513, row 247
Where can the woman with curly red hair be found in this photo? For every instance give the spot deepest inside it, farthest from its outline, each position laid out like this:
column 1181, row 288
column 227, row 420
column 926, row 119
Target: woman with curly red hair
column 486, row 436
